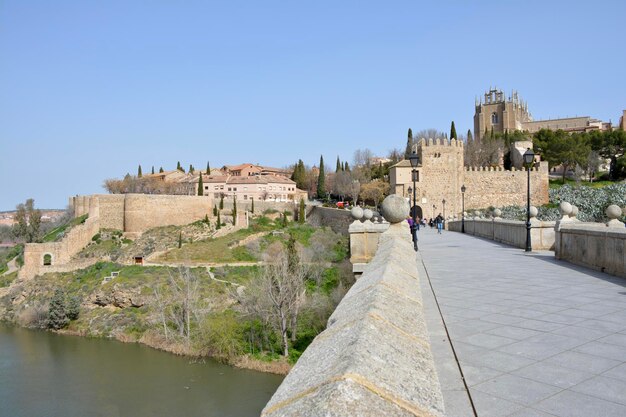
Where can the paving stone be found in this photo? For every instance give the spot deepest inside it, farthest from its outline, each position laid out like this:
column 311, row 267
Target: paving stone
column 573, row 404
column 488, row 341
column 583, row 362
column 553, row 374
column 609, row 389
column 614, row 339
column 529, row 412
column 517, row 389
column 619, row 372
column 517, row 333
column 605, row 350
column 488, row 405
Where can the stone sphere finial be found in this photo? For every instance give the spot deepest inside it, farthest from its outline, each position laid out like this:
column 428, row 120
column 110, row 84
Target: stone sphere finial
column 497, row 212
column 565, row 208
column 613, row 212
column 574, row 212
column 477, row 213
column 533, row 211
column 368, row 214
column 395, row 208
column 356, row 212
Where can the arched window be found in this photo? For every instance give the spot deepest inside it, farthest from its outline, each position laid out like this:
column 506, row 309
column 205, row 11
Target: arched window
column 47, row 259
column 494, row 118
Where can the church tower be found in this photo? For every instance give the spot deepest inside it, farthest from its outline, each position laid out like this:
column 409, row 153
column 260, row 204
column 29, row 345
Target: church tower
column 497, row 113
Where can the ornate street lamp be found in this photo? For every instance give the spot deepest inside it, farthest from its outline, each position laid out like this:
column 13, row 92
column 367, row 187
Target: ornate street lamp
column 529, row 158
column 463, row 208
column 414, row 159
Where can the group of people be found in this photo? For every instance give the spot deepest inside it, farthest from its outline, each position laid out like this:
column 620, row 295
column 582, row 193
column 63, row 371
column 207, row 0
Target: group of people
column 436, row 222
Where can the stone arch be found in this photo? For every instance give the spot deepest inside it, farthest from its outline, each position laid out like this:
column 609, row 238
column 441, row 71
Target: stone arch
column 418, row 210
column 47, row 259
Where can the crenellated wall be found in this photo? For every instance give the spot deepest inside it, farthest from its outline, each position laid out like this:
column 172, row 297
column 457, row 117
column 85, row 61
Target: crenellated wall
column 484, row 186
column 374, row 358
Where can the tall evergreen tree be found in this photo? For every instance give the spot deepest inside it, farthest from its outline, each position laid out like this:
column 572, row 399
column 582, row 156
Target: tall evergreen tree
column 347, row 167
column 178, row 167
column 491, row 134
column 139, row 171
column 301, row 212
column 208, row 168
column 200, row 185
column 219, row 221
column 152, row 169
column 469, row 136
column 191, row 169
column 222, row 201
column 160, row 170
column 321, row 180
column 234, row 210
column 452, row 131
column 338, row 165
column 343, row 166
column 57, row 312
column 180, row 240
column 252, row 208
column 215, row 210
column 73, row 308
column 409, row 144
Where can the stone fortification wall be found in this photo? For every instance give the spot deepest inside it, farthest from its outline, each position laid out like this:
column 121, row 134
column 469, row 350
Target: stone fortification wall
column 491, row 186
column 61, row 252
column 374, row 358
column 144, row 211
column 338, row 220
column 509, row 232
column 593, row 245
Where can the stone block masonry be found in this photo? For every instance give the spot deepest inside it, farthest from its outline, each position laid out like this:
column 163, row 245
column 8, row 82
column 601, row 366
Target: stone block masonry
column 374, row 358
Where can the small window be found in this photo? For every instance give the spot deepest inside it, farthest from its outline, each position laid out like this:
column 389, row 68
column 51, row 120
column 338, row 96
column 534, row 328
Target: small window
column 229, row 189
column 235, row 189
column 47, row 259
column 494, row 118
column 206, row 187
column 245, row 197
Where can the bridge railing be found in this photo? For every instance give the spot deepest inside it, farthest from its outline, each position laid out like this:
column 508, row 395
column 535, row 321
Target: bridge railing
column 374, row 358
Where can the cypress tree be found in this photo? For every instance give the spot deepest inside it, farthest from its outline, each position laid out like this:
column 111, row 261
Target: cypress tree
column 139, row 171
column 152, row 169
column 57, row 314
column 160, row 170
column 178, row 167
column 343, row 166
column 206, row 219
column 180, row 240
column 215, row 210
column 301, row 183
column 252, row 209
column 491, row 134
column 452, row 131
column 294, row 174
column 222, row 201
column 200, row 185
column 301, row 213
column 338, row 165
column 234, row 210
column 321, row 180
column 469, row 136
column 208, row 168
column 191, row 170
column 347, row 167
column 409, row 144
column 219, row 221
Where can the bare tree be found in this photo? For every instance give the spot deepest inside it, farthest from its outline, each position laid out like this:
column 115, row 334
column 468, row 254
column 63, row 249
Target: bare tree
column 362, row 158
column 277, row 294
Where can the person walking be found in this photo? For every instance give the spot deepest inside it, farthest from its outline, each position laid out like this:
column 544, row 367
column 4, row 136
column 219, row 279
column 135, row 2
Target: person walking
column 439, row 223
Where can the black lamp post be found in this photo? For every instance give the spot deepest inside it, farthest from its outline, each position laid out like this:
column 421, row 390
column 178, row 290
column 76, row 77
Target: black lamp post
column 463, row 208
column 414, row 159
column 529, row 158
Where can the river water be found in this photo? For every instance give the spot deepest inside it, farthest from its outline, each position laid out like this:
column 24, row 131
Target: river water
column 44, row 374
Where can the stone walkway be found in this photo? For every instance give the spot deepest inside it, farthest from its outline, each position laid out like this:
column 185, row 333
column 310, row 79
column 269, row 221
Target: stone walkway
column 533, row 336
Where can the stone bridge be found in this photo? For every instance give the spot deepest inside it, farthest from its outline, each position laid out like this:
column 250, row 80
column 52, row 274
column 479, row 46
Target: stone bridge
column 470, row 327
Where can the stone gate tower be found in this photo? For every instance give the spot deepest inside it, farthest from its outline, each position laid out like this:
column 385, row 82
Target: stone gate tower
column 500, row 114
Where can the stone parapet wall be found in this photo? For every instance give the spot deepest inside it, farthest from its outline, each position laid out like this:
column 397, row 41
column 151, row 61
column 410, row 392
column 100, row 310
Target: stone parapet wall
column 592, row 245
column 338, row 220
column 510, row 232
column 374, row 358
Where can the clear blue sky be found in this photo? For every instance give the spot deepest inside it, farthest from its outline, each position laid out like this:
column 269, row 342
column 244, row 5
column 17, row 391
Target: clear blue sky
column 88, row 89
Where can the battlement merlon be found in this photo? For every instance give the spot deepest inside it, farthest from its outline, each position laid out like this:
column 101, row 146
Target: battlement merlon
column 439, row 142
